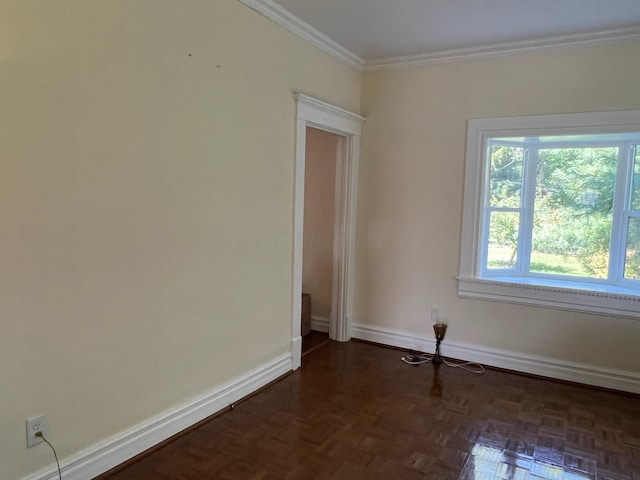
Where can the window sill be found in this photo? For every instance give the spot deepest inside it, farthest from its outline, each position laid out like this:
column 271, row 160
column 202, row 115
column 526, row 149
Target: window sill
column 599, row 300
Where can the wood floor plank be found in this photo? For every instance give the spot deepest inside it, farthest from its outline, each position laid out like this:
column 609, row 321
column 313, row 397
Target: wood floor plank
column 354, row 411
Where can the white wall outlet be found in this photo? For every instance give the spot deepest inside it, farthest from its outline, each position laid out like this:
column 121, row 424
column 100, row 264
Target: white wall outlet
column 435, row 314
column 34, row 425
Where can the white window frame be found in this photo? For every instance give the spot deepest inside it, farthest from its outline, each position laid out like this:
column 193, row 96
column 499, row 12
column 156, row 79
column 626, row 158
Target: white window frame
column 548, row 292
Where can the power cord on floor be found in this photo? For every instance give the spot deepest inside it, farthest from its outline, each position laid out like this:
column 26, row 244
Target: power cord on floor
column 39, row 434
column 420, row 358
column 417, row 359
column 470, row 367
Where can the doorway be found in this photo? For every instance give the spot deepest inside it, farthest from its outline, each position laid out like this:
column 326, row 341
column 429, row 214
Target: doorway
column 347, row 126
column 323, row 152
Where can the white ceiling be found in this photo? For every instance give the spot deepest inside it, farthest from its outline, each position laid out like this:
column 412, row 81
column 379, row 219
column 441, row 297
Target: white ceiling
column 384, row 29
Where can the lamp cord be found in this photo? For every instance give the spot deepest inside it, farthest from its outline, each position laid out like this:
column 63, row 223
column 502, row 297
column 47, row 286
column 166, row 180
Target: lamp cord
column 468, row 366
column 419, row 359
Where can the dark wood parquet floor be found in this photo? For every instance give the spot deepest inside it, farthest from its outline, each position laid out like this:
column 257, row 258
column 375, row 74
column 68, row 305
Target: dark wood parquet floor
column 313, row 340
column 355, row 411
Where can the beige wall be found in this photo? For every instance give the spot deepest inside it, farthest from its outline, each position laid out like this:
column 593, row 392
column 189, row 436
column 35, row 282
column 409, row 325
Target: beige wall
column 319, row 191
column 410, row 204
column 146, row 207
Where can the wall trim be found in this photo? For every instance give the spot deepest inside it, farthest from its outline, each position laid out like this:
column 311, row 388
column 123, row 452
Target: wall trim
column 302, row 29
column 473, row 280
column 609, row 303
column 296, row 352
column 110, row 453
column 592, row 375
column 320, row 324
column 312, row 112
column 603, row 37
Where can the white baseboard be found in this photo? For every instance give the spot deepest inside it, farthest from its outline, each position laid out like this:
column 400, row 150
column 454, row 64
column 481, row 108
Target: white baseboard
column 101, row 457
column 319, row 324
column 543, row 366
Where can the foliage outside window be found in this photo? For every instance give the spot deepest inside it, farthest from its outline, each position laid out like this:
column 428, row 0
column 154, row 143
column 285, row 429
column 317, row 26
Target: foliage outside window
column 552, row 210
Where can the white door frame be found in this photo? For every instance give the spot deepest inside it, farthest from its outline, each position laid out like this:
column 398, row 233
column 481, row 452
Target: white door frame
column 317, row 114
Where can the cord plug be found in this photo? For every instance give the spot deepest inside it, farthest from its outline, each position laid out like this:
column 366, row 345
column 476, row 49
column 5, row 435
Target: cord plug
column 39, row 434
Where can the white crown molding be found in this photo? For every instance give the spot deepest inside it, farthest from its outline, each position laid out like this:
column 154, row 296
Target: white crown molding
column 604, row 37
column 625, row 381
column 295, row 25
column 105, row 455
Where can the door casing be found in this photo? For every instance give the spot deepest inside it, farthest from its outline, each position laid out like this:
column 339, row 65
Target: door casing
column 348, row 126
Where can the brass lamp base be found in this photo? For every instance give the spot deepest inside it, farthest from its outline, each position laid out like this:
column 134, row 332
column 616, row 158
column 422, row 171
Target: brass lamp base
column 439, row 329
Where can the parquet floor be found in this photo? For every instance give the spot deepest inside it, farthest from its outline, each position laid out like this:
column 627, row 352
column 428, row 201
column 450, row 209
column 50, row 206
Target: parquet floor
column 313, row 341
column 354, row 411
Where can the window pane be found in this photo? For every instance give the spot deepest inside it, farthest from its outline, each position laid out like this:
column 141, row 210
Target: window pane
column 632, row 263
column 635, row 195
column 503, row 239
column 505, row 176
column 573, row 211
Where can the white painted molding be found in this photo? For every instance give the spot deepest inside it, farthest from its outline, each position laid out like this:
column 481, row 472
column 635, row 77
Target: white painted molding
column 311, row 112
column 604, row 37
column 295, row 25
column 562, row 298
column 320, row 324
column 103, row 456
column 296, row 352
column 325, row 116
column 537, row 365
column 392, row 338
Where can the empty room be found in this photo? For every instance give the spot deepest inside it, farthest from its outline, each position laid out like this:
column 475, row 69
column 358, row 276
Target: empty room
column 481, row 211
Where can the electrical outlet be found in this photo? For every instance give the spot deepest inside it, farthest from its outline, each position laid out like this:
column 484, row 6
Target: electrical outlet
column 34, row 425
column 435, row 314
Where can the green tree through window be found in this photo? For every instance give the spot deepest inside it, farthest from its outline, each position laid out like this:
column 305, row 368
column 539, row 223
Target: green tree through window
column 555, row 198
column 551, row 213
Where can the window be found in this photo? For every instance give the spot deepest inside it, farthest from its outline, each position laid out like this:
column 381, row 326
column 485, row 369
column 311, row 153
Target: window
column 552, row 212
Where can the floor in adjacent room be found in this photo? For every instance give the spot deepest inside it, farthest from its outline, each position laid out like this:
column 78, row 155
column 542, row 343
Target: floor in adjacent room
column 355, row 411
column 313, row 340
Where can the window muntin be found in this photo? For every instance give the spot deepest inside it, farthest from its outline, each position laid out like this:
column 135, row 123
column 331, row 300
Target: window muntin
column 632, row 253
column 635, row 184
column 549, row 209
